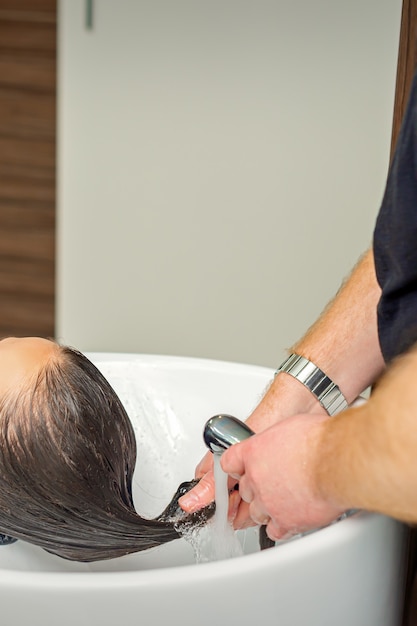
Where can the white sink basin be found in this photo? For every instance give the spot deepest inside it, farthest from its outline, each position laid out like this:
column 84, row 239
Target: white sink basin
column 349, row 574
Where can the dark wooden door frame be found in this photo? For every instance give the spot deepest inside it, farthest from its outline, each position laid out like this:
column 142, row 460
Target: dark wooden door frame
column 405, row 65
column 27, row 166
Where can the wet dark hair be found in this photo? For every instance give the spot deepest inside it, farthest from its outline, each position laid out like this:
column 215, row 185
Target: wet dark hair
column 67, row 456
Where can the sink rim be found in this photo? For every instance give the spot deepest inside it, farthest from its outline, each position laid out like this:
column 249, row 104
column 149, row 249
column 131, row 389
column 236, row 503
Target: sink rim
column 287, row 553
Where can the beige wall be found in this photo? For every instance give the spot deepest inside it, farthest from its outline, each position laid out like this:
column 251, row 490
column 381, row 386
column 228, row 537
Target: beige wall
column 221, row 165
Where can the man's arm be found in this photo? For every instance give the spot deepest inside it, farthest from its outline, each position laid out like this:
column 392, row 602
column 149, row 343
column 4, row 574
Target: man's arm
column 301, row 473
column 343, row 343
column 367, row 458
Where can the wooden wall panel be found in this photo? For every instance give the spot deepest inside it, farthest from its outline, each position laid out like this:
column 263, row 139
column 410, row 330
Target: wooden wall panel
column 407, row 57
column 27, row 166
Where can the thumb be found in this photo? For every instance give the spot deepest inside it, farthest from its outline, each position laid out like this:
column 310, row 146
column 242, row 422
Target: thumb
column 200, row 496
column 232, row 460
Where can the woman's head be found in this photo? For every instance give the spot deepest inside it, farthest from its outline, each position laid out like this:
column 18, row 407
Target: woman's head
column 67, row 455
column 21, row 359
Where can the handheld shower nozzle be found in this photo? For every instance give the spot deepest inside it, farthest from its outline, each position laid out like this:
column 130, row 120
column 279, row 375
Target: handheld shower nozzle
column 222, row 431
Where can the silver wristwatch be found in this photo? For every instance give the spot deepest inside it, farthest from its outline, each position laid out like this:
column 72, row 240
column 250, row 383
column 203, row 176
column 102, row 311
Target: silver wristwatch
column 325, row 390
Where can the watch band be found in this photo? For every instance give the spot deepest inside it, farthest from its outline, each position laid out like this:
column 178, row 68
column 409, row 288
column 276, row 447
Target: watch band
column 325, row 390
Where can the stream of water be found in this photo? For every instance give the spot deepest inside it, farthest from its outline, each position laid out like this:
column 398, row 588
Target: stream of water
column 216, row 540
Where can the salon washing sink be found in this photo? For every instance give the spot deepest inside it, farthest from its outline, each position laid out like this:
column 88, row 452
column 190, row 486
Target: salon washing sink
column 350, row 573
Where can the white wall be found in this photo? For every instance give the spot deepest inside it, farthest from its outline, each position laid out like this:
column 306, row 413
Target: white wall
column 221, row 165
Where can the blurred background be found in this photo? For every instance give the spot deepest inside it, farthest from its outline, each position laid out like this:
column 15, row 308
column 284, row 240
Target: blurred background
column 27, row 167
column 189, row 178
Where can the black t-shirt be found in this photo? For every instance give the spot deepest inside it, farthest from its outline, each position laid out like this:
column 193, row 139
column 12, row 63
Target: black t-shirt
column 395, row 242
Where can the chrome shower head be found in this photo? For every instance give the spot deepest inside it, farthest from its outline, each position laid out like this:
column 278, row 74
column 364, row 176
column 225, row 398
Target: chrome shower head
column 222, row 431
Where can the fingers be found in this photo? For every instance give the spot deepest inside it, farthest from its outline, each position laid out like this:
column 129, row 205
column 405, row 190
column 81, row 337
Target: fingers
column 242, row 518
column 205, row 465
column 277, row 533
column 204, row 492
column 234, row 505
column 232, row 461
column 260, row 517
column 200, row 496
column 274, row 532
column 245, row 490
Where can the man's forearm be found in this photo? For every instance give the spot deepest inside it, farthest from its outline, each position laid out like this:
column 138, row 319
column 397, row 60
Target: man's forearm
column 343, row 342
column 367, row 456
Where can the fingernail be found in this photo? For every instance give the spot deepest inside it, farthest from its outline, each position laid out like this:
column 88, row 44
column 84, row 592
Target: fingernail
column 234, row 501
column 189, row 502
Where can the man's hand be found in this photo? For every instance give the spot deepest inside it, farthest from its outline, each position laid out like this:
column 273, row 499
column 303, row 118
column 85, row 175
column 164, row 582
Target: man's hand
column 275, row 470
